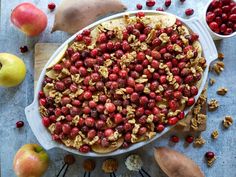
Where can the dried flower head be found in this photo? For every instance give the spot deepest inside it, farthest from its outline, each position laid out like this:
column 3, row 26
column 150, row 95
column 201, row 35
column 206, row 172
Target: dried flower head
column 110, row 165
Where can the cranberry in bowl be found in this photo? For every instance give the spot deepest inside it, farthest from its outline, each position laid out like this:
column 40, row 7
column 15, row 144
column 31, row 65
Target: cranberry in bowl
column 220, row 18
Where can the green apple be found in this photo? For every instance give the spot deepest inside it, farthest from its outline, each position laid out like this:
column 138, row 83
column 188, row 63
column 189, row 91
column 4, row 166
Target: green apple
column 12, row 70
column 31, row 160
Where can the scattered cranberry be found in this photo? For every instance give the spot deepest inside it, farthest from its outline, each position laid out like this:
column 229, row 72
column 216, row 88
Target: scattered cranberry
column 174, row 139
column 182, row 0
column 150, row 3
column 24, row 49
column 19, row 124
column 167, row 3
column 189, row 12
column 159, row 9
column 209, row 155
column 189, row 139
column 139, row 6
column 51, row 6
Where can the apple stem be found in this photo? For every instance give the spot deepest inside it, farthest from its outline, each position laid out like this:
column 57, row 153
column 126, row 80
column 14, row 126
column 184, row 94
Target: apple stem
column 0, row 65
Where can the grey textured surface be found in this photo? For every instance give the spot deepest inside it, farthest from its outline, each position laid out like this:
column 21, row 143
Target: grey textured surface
column 14, row 100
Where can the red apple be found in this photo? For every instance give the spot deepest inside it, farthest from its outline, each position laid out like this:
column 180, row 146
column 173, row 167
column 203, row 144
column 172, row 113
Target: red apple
column 31, row 160
column 29, row 19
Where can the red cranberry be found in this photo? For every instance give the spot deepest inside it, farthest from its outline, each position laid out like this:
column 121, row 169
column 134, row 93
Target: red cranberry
column 51, row 6
column 194, row 90
column 189, row 139
column 142, row 130
column 87, row 95
column 89, row 121
column 86, row 32
column 66, row 128
column 160, row 128
column 160, row 9
column 108, row 132
column 91, row 133
column 125, row 46
column 60, row 86
column 181, row 115
column 84, row 148
column 134, row 97
column 143, row 100
column 174, row 139
column 100, row 124
column 178, row 95
column 209, row 155
column 19, row 124
column 139, row 87
column 23, row 49
column 189, row 11
column 214, row 26
column 127, row 127
column 87, row 40
column 110, row 107
column 142, row 37
column 156, row 42
column 232, row 18
column 173, row 120
column 150, row 3
column 118, row 118
column 42, row 102
column 163, row 79
column 167, row 3
column 119, row 54
column 100, row 108
column 141, row 56
column 79, row 37
column 190, row 101
column 74, row 132
column 140, row 14
column 102, row 38
column 46, row 121
column 139, row 6
column 65, row 100
column 228, row 31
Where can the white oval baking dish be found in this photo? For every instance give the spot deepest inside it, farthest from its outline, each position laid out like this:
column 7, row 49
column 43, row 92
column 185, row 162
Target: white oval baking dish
column 34, row 118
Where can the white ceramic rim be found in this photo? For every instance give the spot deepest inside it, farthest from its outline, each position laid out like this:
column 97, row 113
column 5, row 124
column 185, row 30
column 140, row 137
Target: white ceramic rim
column 214, row 35
column 34, row 118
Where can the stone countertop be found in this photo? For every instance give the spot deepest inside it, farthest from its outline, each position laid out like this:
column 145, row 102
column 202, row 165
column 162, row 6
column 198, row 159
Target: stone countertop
column 14, row 100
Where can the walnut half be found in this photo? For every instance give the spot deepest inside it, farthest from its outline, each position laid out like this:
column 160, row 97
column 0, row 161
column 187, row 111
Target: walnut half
column 222, row 91
column 227, row 122
column 213, row 105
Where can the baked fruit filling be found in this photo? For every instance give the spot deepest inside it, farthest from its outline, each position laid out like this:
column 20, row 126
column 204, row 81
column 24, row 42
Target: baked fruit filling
column 121, row 82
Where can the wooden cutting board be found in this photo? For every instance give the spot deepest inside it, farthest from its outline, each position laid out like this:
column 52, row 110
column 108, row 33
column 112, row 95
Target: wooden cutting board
column 43, row 52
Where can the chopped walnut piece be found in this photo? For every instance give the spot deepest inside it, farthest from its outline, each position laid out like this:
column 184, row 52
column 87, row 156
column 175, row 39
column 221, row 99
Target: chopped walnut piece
column 211, row 161
column 227, row 122
column 221, row 56
column 215, row 134
column 213, row 105
column 218, row 67
column 222, row 91
column 199, row 141
column 212, row 81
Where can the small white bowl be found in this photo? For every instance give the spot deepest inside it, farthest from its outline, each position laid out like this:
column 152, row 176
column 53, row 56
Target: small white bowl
column 214, row 35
